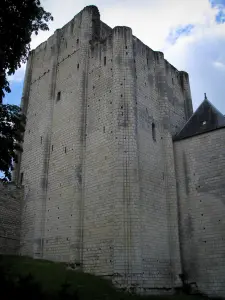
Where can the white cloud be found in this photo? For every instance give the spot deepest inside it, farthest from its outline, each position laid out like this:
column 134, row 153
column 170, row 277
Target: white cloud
column 201, row 53
column 219, row 65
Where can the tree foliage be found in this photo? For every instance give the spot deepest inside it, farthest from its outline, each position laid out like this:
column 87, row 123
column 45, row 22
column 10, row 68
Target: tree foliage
column 18, row 20
column 12, row 126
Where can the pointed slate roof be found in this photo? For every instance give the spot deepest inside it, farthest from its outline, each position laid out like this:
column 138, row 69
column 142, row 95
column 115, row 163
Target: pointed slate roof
column 205, row 118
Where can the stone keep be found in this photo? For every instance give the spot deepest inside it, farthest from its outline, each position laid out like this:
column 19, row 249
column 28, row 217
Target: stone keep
column 98, row 163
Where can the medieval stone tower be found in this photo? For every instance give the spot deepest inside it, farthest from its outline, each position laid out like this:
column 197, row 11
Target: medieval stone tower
column 99, row 164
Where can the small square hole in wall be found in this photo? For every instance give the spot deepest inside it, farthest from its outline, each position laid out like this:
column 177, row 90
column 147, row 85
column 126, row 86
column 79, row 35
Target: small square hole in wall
column 153, row 132
column 204, row 123
column 21, row 178
column 58, row 96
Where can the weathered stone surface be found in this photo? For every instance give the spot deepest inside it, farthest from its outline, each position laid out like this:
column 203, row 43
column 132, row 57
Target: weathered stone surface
column 98, row 160
column 10, row 218
column 200, row 165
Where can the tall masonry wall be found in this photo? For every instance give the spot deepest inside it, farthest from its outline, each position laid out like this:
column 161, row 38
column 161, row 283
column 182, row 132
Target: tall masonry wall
column 200, row 164
column 97, row 165
column 163, row 106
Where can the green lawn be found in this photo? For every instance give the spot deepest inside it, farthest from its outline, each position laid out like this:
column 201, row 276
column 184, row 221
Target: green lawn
column 52, row 275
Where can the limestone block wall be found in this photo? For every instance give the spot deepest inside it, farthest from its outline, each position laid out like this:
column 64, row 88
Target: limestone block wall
column 160, row 102
column 10, row 218
column 55, row 71
column 63, row 231
column 98, row 164
column 200, row 164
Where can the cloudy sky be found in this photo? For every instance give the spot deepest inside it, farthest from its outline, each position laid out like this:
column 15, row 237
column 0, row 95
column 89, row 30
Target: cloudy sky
column 191, row 33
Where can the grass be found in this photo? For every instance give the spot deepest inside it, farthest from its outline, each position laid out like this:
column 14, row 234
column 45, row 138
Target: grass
column 51, row 276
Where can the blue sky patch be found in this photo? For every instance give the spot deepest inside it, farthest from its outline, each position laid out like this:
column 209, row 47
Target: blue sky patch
column 220, row 5
column 220, row 17
column 178, row 32
column 16, row 93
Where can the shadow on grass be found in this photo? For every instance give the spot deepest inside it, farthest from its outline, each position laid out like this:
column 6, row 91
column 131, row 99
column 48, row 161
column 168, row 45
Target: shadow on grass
column 26, row 278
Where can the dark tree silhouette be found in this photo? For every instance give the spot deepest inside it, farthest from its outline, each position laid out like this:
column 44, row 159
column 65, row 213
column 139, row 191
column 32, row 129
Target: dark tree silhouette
column 18, row 20
column 12, row 125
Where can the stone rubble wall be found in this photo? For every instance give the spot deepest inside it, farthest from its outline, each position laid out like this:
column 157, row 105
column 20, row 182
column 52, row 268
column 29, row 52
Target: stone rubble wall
column 10, row 218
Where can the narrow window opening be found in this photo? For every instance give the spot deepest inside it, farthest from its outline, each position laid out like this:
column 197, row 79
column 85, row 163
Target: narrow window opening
column 77, row 41
column 78, row 66
column 104, row 60
column 172, row 81
column 153, row 132
column 41, row 139
column 103, row 129
column 58, row 96
column 52, row 147
column 65, row 149
column 126, row 47
column 21, row 178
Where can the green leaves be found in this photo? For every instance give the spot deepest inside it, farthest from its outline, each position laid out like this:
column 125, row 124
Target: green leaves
column 18, row 20
column 12, row 126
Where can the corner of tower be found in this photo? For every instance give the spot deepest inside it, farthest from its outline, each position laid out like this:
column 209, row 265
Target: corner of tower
column 184, row 79
column 94, row 14
column 184, row 74
column 92, row 9
column 159, row 55
column 122, row 29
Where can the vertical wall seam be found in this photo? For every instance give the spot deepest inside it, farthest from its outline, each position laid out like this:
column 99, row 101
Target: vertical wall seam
column 178, row 214
column 51, row 99
column 83, row 155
